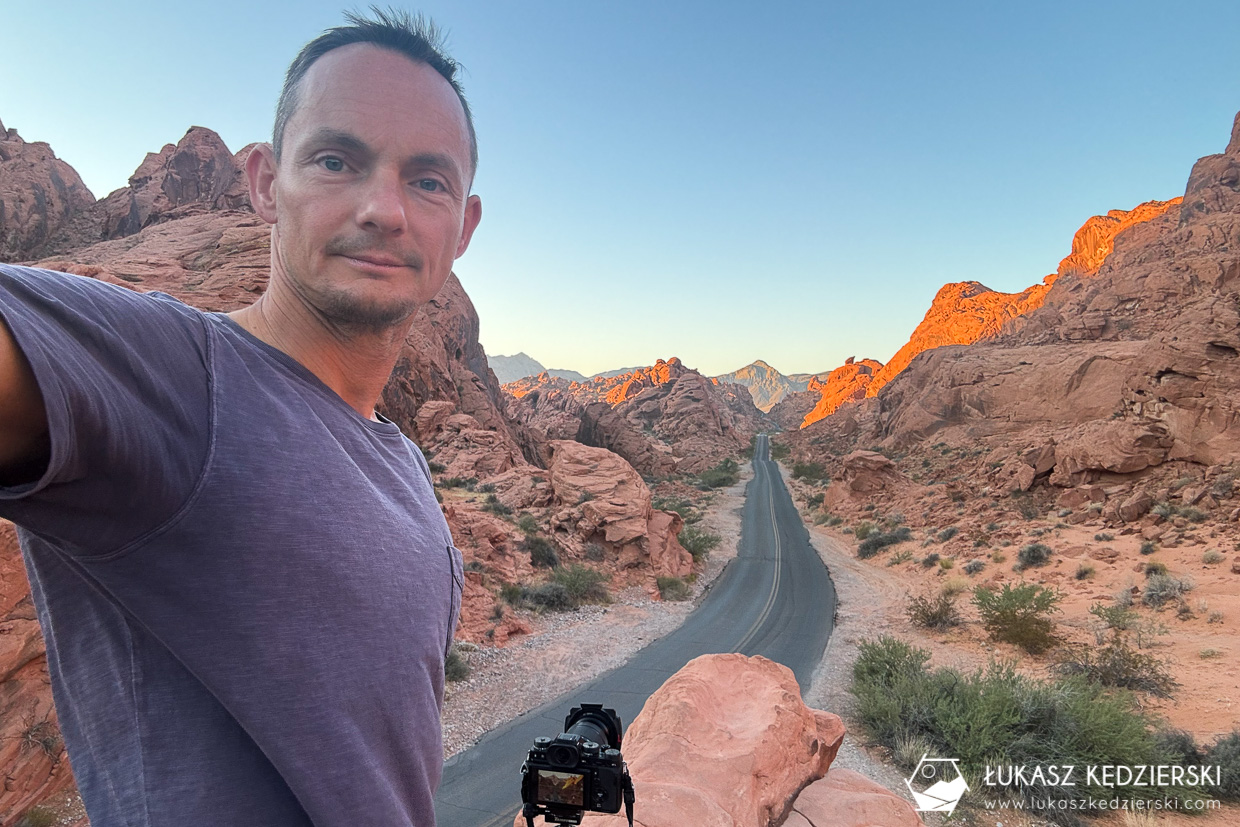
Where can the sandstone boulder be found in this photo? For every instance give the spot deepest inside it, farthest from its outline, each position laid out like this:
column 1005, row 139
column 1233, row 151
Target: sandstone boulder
column 845, row 798
column 1135, row 507
column 39, row 195
column 726, row 741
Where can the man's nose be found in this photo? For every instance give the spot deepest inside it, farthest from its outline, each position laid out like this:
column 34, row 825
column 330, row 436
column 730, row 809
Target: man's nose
column 383, row 205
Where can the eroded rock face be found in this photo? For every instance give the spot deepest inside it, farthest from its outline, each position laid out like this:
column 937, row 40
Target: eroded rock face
column 727, row 742
column 661, row 419
column 39, row 195
column 599, row 498
column 1125, row 365
column 847, row 383
column 767, row 386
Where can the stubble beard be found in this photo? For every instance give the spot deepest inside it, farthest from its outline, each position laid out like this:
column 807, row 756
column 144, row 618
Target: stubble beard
column 354, row 316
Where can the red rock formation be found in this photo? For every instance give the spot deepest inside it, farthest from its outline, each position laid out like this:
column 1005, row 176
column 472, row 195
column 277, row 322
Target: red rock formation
column 39, row 194
column 966, row 312
column 727, row 741
column 960, row 314
column 1118, row 371
column 847, row 383
column 668, row 417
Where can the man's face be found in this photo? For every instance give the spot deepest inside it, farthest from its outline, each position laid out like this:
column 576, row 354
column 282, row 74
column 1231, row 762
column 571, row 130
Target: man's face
column 370, row 199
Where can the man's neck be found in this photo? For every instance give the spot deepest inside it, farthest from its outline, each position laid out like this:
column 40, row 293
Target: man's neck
column 355, row 366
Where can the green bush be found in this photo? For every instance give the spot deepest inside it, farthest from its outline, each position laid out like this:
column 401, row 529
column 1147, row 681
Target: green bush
column 947, row 533
column 974, row 567
column 1019, row 615
column 863, row 530
column 549, row 596
column 698, row 542
column 997, row 716
column 876, row 542
column 721, row 476
column 458, row 482
column 682, row 507
column 496, row 507
column 454, row 666
column 1034, row 554
column 1160, row 589
column 583, row 584
column 812, row 471
column 1212, row 557
column 542, row 553
column 1119, row 665
column 672, row 588
column 527, row 523
column 779, row 451
column 1117, row 617
column 1148, row 547
column 933, row 613
column 816, row 500
column 1225, row 752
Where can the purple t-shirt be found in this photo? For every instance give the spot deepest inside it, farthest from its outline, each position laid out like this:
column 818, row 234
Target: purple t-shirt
column 247, row 590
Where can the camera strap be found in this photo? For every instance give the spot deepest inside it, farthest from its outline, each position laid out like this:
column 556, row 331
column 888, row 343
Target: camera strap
column 629, row 795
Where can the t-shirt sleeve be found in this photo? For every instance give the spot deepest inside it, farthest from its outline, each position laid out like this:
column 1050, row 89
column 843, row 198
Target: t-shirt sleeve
column 125, row 382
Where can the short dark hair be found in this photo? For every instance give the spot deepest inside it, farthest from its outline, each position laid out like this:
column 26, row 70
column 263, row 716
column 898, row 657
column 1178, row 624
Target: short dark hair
column 413, row 36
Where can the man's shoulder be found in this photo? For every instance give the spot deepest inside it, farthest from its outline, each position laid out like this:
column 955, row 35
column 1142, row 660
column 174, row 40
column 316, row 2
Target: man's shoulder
column 68, row 286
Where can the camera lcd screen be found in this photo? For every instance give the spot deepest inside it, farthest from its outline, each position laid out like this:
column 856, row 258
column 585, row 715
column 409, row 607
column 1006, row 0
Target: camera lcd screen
column 561, row 788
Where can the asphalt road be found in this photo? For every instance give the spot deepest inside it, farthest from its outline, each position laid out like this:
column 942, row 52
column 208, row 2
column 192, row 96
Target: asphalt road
column 774, row 599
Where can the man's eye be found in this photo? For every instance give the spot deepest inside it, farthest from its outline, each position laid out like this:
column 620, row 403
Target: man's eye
column 332, row 164
column 430, row 185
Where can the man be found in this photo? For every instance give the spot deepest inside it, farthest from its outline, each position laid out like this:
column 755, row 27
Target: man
column 245, row 584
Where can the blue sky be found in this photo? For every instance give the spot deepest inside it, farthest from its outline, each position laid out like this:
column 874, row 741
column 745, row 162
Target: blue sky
column 721, row 182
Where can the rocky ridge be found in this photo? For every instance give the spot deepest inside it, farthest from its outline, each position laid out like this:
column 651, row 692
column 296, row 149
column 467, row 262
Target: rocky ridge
column 663, row 419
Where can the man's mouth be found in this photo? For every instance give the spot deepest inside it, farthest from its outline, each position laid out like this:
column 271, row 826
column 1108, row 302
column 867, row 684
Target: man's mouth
column 375, row 260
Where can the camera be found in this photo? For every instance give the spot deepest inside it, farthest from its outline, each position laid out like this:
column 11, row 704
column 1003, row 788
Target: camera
column 580, row 769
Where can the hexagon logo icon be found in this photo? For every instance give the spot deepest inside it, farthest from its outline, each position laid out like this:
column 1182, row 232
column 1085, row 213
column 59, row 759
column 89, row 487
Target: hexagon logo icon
column 937, row 784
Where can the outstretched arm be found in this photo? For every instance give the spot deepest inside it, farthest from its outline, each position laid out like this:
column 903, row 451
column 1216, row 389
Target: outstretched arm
column 24, row 443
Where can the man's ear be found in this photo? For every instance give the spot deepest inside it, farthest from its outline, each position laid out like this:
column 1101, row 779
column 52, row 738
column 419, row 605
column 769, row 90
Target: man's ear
column 260, row 172
column 473, row 214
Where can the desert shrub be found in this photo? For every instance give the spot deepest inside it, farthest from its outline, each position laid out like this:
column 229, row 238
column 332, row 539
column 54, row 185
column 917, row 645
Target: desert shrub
column 974, row 566
column 1026, row 507
column 721, row 476
column 1224, row 486
column 998, row 557
column 672, row 588
column 1193, row 515
column 1214, row 617
column 933, row 612
column 1117, row 617
column 1152, row 569
column 527, row 523
column 496, row 507
column 947, row 533
column 1118, row 665
column 1085, row 571
column 457, row 482
column 486, row 488
column 779, row 451
column 1207, row 654
column 1148, row 547
column 900, row 557
column 1104, row 537
column 1034, row 554
column 698, row 542
column 1163, row 588
column 997, row 715
column 877, row 541
column 863, row 530
column 594, row 552
column 436, row 467
column 834, row 521
column 1019, row 615
column 542, row 552
column 585, row 497
column 930, row 560
column 1212, row 557
column 946, row 563
column 955, row 585
column 550, row 596
column 38, row 816
column 511, row 593
column 1225, row 752
column 583, row 584
column 1164, row 510
column 1175, row 746
column 454, row 666
column 816, row 500
column 812, row 471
